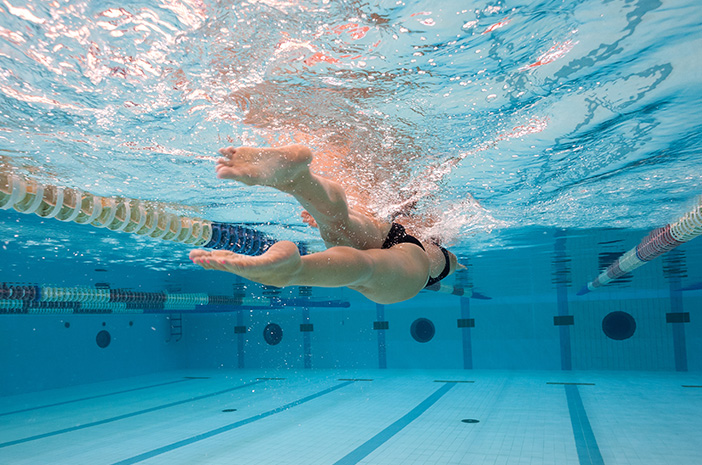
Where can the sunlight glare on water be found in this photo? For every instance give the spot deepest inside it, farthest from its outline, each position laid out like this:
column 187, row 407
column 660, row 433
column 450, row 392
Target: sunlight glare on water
column 470, row 118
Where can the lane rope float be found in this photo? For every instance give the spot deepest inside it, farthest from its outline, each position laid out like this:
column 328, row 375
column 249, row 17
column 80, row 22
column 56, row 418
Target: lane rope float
column 26, row 195
column 655, row 244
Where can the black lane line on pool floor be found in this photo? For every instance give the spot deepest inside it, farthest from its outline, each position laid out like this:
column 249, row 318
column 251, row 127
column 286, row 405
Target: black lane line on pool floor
column 379, row 439
column 224, row 429
column 29, row 409
column 585, row 442
column 126, row 415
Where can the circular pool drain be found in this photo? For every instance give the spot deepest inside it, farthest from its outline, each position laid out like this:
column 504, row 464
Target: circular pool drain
column 103, row 339
column 470, row 420
column 227, row 410
column 619, row 325
column 273, row 334
column 422, row 330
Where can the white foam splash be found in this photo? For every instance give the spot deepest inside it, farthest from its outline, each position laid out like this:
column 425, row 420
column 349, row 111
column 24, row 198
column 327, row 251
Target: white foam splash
column 466, row 217
column 430, row 180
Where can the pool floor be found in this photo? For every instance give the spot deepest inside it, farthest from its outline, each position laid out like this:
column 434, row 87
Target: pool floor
column 366, row 417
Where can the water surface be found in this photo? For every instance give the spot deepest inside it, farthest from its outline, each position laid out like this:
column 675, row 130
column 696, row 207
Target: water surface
column 493, row 116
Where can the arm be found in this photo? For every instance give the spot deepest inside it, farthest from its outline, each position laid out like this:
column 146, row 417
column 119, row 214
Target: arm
column 382, row 275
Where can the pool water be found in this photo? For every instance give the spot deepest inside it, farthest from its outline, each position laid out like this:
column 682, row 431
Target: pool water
column 540, row 140
column 577, row 115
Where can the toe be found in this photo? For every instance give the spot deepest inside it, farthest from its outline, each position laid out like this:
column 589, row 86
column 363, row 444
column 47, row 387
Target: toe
column 227, row 151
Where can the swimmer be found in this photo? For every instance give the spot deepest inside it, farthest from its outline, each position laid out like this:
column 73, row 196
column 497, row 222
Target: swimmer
column 377, row 258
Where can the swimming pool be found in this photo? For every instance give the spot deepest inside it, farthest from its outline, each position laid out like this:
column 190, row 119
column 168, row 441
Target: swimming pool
column 542, row 140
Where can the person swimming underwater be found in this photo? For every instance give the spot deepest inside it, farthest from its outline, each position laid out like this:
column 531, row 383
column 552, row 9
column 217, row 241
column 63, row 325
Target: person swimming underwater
column 377, row 258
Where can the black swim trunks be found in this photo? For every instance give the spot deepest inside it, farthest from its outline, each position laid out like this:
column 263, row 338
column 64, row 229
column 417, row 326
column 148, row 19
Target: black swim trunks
column 445, row 272
column 398, row 235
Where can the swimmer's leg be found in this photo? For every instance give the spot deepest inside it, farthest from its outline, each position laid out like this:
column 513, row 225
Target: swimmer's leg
column 288, row 170
column 274, row 167
column 384, row 276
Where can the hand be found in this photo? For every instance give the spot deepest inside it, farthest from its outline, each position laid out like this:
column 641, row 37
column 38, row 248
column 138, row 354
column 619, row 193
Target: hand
column 278, row 266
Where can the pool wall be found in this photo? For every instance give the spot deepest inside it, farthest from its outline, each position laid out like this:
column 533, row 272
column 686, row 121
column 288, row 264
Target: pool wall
column 533, row 320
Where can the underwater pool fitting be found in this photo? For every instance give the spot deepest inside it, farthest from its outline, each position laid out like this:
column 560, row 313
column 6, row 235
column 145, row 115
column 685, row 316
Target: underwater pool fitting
column 658, row 242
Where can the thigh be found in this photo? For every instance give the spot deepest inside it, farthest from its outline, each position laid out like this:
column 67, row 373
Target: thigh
column 358, row 231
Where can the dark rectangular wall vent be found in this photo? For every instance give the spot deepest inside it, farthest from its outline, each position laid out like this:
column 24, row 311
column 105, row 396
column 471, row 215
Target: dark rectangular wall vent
column 564, row 320
column 677, row 317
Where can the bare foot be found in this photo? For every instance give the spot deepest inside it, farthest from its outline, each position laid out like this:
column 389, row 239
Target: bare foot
column 277, row 267
column 274, row 167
